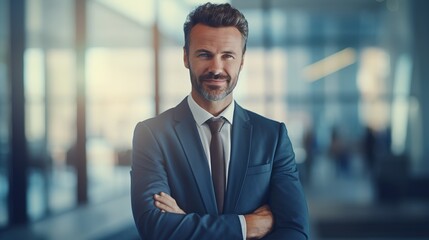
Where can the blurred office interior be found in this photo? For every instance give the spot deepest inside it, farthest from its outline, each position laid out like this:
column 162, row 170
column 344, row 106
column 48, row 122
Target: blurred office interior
column 348, row 77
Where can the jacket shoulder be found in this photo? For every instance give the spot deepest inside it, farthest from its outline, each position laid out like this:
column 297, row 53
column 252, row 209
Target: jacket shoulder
column 167, row 118
column 262, row 121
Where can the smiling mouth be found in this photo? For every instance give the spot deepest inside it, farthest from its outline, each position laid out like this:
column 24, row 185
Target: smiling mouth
column 215, row 81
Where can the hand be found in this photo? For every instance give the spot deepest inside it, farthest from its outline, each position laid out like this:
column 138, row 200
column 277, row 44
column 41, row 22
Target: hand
column 166, row 203
column 259, row 223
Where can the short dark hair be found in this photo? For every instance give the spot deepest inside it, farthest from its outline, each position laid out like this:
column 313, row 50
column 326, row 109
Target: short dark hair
column 216, row 15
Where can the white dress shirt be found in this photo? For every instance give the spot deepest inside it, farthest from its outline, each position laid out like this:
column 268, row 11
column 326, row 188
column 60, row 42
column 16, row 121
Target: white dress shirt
column 201, row 116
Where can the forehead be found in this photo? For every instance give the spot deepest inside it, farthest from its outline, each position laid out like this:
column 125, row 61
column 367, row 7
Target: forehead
column 218, row 38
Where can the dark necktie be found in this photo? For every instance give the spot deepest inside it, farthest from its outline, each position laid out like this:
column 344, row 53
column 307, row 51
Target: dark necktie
column 217, row 160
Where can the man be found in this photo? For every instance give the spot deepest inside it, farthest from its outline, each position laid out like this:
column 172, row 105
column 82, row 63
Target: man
column 190, row 180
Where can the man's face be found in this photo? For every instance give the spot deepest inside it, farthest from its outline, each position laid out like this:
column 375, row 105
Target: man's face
column 214, row 61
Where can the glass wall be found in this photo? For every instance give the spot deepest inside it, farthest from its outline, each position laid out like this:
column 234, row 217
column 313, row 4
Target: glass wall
column 174, row 77
column 4, row 112
column 120, row 90
column 50, row 92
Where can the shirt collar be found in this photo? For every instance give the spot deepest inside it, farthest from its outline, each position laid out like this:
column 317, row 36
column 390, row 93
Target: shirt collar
column 201, row 115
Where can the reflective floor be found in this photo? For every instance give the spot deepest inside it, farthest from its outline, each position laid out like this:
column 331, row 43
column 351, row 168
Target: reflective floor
column 109, row 220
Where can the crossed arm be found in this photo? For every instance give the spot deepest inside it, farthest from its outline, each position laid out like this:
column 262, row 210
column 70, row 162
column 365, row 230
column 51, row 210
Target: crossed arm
column 258, row 223
column 286, row 216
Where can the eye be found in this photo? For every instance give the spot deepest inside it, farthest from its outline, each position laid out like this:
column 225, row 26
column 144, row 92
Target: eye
column 204, row 55
column 228, row 56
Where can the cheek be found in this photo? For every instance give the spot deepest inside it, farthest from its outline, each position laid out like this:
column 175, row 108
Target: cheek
column 197, row 69
column 234, row 70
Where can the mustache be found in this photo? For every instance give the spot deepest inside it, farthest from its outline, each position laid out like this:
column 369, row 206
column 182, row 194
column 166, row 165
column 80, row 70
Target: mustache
column 211, row 75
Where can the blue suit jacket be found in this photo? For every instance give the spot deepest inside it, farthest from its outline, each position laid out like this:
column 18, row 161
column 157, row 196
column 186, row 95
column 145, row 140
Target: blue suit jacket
column 168, row 157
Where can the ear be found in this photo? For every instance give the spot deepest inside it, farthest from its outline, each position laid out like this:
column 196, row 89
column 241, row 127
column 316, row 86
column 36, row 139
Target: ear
column 185, row 58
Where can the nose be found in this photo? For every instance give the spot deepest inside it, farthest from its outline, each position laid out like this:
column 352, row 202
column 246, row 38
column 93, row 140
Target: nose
column 216, row 66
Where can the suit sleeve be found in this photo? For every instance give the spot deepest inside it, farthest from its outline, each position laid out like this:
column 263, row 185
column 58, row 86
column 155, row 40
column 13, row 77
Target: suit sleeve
column 286, row 200
column 148, row 176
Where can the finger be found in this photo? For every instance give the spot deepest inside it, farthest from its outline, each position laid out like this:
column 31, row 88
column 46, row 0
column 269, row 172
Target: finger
column 163, row 207
column 167, row 199
column 167, row 208
column 163, row 201
column 162, row 197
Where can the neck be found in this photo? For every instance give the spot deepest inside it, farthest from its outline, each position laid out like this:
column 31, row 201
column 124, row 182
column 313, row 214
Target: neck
column 213, row 107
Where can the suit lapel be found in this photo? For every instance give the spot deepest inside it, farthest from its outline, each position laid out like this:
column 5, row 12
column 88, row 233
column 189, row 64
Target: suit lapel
column 240, row 150
column 190, row 141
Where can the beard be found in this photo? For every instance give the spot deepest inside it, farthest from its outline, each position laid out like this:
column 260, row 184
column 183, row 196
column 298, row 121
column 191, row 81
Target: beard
column 213, row 93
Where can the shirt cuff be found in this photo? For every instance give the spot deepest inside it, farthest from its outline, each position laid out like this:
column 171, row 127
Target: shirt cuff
column 243, row 226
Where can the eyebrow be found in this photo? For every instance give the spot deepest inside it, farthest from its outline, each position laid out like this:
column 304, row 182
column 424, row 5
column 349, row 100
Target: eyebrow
column 202, row 51
column 230, row 52
column 207, row 51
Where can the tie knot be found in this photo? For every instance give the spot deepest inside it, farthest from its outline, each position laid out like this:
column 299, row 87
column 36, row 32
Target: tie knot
column 215, row 124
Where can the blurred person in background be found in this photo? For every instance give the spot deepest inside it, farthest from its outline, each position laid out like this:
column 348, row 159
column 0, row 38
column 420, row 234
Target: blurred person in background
column 339, row 153
column 310, row 146
column 207, row 168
